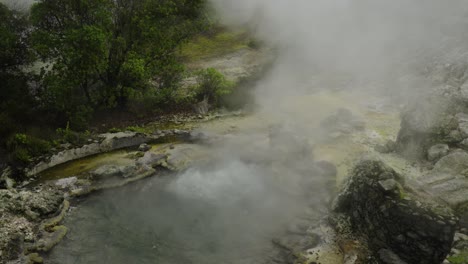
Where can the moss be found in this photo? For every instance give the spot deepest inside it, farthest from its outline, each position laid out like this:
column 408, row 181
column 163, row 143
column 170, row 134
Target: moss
column 460, row 258
column 114, row 130
column 52, row 239
column 34, row 258
column 402, row 193
column 49, row 224
column 139, row 129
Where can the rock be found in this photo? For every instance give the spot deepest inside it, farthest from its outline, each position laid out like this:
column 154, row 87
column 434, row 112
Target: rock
column 464, row 144
column 464, row 91
column 425, row 123
column 9, row 183
column 66, row 183
column 389, row 185
column 454, row 163
column 21, row 214
column 110, row 141
column 437, row 151
column 379, row 207
column 66, row 146
column 151, row 159
column 108, row 171
column 6, row 178
column 144, row 147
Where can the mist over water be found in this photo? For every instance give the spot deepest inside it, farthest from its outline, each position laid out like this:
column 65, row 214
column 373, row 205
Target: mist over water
column 229, row 209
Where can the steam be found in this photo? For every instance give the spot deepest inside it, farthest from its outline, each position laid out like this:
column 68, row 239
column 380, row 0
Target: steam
column 371, row 42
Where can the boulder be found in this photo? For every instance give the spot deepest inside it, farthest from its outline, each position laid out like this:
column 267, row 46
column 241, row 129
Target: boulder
column 397, row 224
column 426, row 123
column 144, row 147
column 437, row 151
column 455, row 163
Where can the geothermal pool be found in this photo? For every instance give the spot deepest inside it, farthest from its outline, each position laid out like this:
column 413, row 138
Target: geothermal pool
column 253, row 191
column 222, row 215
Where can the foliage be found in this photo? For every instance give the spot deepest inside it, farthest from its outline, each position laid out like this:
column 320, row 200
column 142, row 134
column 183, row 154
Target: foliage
column 212, row 85
column 138, row 129
column 13, row 41
column 101, row 51
column 16, row 101
column 23, row 147
column 69, row 136
column 461, row 258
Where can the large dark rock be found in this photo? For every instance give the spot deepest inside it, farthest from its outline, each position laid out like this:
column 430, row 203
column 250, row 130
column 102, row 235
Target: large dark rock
column 395, row 221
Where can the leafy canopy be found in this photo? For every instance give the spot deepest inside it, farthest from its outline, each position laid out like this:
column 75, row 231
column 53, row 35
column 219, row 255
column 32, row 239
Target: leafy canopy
column 99, row 51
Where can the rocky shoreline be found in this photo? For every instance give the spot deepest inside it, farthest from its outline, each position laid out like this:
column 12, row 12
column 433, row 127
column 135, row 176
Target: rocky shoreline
column 31, row 216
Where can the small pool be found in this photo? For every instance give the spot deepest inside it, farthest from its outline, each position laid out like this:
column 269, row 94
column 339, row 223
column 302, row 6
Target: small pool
column 228, row 213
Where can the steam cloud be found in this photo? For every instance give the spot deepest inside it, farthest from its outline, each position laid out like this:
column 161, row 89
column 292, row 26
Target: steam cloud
column 375, row 41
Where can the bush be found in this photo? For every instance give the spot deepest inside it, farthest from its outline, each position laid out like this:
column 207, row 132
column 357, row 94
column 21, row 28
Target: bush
column 212, row 85
column 461, row 258
column 23, row 147
column 69, row 136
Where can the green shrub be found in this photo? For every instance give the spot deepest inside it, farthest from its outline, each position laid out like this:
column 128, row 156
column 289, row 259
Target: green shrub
column 137, row 129
column 69, row 136
column 114, row 130
column 79, row 118
column 23, row 147
column 461, row 258
column 212, row 85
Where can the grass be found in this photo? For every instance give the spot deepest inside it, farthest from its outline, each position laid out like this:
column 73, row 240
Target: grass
column 461, row 258
column 219, row 43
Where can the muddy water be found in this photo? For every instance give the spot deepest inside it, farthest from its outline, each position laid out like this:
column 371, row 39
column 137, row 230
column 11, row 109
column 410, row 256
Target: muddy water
column 231, row 210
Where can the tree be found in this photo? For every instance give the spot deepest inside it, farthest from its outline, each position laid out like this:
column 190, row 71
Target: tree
column 100, row 51
column 15, row 99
